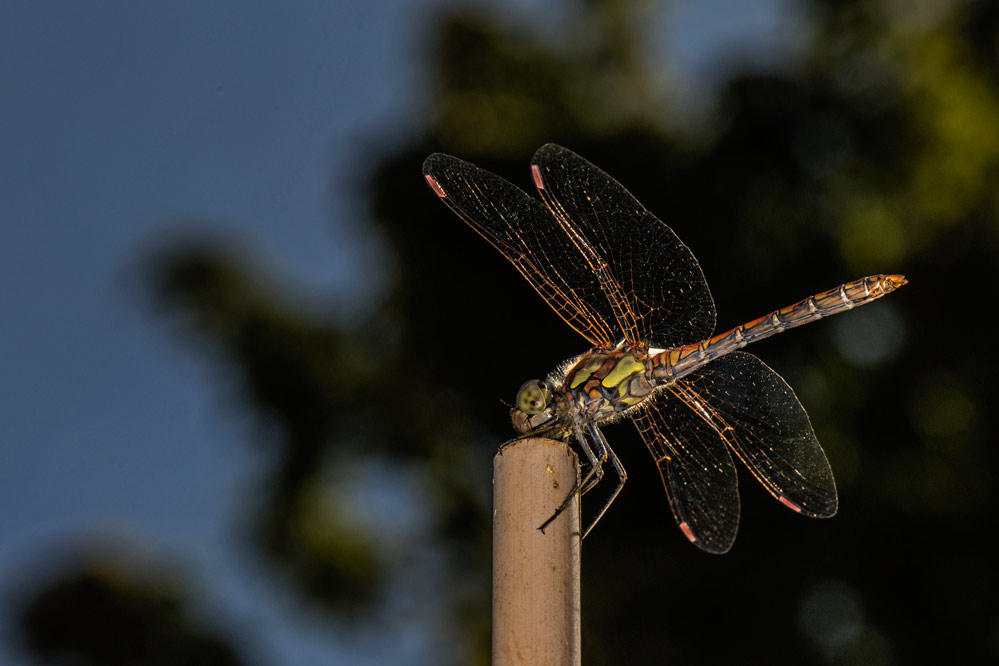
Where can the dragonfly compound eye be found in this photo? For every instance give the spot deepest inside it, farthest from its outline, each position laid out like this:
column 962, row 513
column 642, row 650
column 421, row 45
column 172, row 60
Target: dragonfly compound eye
column 532, row 397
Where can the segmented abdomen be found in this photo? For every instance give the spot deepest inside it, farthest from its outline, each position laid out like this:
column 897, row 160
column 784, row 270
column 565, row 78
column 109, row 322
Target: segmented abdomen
column 679, row 361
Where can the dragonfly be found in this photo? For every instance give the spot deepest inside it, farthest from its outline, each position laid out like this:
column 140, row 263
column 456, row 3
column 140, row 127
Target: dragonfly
column 624, row 281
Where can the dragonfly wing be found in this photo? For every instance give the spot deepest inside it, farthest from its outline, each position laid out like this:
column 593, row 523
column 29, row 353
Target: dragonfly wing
column 661, row 297
column 768, row 429
column 527, row 234
column 696, row 469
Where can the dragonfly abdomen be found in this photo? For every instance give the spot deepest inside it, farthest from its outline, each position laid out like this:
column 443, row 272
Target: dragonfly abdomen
column 674, row 363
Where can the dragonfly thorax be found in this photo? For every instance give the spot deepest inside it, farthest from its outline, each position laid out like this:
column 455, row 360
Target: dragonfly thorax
column 596, row 387
column 603, row 384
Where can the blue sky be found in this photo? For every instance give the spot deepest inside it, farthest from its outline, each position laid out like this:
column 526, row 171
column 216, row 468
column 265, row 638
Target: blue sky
column 121, row 118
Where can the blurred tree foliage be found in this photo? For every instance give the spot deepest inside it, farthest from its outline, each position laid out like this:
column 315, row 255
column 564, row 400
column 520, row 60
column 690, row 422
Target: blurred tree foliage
column 104, row 611
column 875, row 149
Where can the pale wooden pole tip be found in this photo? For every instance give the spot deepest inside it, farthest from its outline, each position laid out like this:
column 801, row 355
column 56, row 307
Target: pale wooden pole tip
column 536, row 606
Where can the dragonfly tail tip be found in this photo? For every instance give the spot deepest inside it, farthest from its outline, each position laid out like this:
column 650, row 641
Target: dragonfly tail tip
column 893, row 282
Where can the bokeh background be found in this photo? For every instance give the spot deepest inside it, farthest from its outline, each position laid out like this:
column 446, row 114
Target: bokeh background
column 252, row 370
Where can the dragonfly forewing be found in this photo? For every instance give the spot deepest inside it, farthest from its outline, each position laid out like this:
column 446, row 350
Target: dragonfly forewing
column 527, row 234
column 659, row 281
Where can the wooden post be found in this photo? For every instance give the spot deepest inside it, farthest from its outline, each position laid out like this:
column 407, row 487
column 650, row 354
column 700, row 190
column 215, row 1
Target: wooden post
column 535, row 574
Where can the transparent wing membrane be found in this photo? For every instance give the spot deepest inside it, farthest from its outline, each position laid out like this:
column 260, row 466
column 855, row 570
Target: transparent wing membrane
column 760, row 417
column 696, row 469
column 527, row 234
column 659, row 281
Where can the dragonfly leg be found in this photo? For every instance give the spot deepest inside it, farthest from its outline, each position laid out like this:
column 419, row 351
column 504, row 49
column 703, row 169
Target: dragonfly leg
column 594, row 474
column 592, row 477
column 622, row 475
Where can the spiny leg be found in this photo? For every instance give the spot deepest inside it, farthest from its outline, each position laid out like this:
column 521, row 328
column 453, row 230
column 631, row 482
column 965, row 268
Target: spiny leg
column 592, row 478
column 595, row 472
column 622, row 475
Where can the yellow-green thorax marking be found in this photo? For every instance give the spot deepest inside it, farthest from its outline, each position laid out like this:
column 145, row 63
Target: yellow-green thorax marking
column 605, row 383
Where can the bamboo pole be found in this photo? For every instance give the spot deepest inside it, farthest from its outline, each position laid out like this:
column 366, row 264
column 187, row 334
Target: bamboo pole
column 535, row 574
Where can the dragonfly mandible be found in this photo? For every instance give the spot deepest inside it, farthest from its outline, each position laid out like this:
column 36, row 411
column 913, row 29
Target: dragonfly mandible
column 624, row 281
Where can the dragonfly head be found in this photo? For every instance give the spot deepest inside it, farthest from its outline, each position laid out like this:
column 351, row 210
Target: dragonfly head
column 533, row 409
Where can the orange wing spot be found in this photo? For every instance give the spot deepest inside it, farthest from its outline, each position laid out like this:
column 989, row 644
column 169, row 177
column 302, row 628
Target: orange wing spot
column 687, row 532
column 789, row 504
column 435, row 186
column 536, row 174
